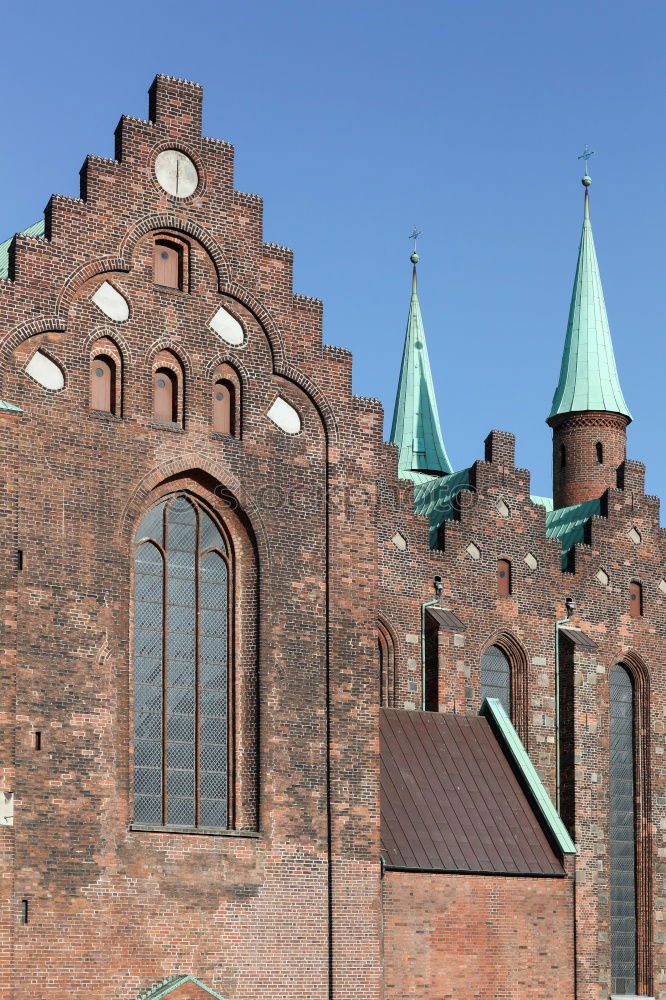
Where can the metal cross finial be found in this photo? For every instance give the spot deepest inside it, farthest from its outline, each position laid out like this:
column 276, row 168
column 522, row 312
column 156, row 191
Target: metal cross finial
column 415, row 233
column 586, row 154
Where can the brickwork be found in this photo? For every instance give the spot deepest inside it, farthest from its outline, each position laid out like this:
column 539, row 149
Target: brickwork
column 459, row 937
column 588, row 449
column 290, row 902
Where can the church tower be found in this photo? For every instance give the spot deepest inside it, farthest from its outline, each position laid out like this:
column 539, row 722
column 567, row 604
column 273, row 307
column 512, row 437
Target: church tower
column 589, row 415
column 416, row 429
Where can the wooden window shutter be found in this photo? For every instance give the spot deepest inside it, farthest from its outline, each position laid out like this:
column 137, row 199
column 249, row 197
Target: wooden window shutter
column 165, row 395
column 635, row 599
column 102, row 384
column 224, row 405
column 503, row 577
column 167, row 264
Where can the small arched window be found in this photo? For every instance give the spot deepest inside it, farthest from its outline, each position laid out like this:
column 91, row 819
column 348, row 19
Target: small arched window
column 165, row 395
column 599, row 451
column 496, row 677
column 105, row 377
column 563, row 456
column 168, row 264
column 168, row 383
column 102, row 384
column 503, row 577
column 224, row 407
column 635, row 599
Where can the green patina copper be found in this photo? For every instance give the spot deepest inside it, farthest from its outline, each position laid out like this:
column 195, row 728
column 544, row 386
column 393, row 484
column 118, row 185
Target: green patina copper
column 167, row 986
column 588, row 377
column 36, row 229
column 435, row 498
column 511, row 743
column 416, row 430
column 9, row 407
column 568, row 523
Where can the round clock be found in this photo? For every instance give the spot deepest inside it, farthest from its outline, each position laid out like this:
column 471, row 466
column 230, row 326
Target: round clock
column 176, row 173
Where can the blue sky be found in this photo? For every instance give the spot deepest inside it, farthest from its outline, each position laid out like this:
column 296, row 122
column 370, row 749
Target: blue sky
column 356, row 120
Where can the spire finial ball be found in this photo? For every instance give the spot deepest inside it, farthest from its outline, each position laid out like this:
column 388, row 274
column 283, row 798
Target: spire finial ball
column 415, row 258
column 586, row 181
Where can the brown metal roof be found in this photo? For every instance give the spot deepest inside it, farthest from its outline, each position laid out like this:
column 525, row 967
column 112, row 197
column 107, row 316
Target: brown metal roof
column 451, row 802
column 578, row 638
column 446, row 619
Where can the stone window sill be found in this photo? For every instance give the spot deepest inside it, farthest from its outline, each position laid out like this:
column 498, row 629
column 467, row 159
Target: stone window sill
column 104, row 415
column 169, row 425
column 199, row 831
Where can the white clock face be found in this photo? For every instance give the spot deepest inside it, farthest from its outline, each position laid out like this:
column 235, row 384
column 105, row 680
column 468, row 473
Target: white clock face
column 176, row 173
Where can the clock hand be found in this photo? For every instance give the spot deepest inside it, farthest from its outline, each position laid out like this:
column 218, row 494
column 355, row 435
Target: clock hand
column 177, row 168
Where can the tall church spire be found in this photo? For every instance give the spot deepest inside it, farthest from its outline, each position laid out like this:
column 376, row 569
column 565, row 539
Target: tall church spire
column 416, row 430
column 589, row 415
column 588, row 376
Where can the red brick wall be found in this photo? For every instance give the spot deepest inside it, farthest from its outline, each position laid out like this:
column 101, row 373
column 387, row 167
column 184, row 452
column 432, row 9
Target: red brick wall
column 583, row 477
column 289, row 904
column 474, row 937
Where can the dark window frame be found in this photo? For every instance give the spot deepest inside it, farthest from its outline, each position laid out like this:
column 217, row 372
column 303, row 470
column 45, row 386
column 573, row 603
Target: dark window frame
column 505, row 692
column 226, row 553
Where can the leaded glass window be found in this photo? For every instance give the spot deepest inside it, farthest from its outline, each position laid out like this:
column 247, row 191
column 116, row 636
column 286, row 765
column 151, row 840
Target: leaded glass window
column 623, row 833
column 496, row 677
column 181, row 668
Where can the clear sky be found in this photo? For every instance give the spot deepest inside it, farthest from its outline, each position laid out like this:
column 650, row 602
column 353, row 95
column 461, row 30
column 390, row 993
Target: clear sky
column 355, row 120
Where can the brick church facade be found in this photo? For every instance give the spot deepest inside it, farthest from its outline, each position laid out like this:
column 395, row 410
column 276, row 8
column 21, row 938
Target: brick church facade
column 288, row 712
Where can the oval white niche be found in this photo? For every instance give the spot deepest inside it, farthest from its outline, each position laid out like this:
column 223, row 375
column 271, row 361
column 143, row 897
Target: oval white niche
column 285, row 416
column 109, row 301
column 45, row 372
column 227, row 327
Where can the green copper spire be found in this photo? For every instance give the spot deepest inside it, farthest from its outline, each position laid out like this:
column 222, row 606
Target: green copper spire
column 416, row 429
column 588, row 378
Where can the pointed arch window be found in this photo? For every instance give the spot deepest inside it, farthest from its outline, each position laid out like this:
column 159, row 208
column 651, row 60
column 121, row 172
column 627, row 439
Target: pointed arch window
column 599, row 452
column 496, row 677
column 563, row 456
column 386, row 664
column 182, row 594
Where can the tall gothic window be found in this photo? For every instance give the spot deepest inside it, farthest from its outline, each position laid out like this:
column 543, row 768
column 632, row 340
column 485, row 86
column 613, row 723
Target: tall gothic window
column 386, row 664
column 623, row 832
column 496, row 677
column 181, row 668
